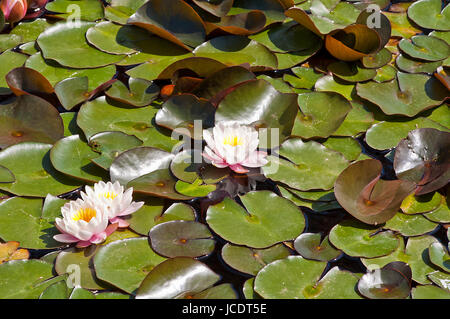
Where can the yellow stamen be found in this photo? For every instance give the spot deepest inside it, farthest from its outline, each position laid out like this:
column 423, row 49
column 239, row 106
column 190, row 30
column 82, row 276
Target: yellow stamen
column 232, row 141
column 110, row 195
column 85, row 214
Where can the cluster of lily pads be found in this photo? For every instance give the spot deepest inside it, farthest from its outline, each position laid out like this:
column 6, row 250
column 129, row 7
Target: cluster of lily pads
column 343, row 193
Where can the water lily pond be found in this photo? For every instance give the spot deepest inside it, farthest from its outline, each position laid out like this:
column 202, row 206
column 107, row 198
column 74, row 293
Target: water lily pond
column 224, row 149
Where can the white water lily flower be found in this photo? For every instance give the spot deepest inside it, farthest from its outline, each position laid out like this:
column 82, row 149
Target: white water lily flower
column 116, row 201
column 83, row 223
column 231, row 144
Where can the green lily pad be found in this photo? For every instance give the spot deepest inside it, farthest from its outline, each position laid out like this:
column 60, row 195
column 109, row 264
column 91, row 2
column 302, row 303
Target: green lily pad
column 29, row 31
column 442, row 213
column 361, row 240
column 235, row 50
column 79, row 262
column 222, row 291
column 409, row 95
column 6, row 176
column 377, row 60
column 119, row 11
column 415, row 255
column 35, row 175
column 428, row 14
column 415, row 66
column 440, row 278
column 9, row 41
column 26, row 221
column 181, row 112
column 321, row 196
column 250, row 228
column 18, row 125
column 286, row 37
column 310, row 246
column 311, row 165
column 55, row 73
column 258, row 102
column 72, row 91
column 102, row 114
column 348, row 146
column 151, row 214
column 179, row 277
column 70, row 124
column 140, row 92
column 125, row 263
column 24, row 279
column 351, row 72
column 316, row 206
column 8, row 61
column 88, row 10
column 110, row 145
column 137, row 162
column 426, row 48
column 387, row 134
column 304, row 78
column 439, row 256
column 66, row 44
column 181, row 239
column 272, row 9
column 251, row 261
column 80, row 293
column 180, row 25
column 358, row 120
column 194, row 189
column 158, row 183
column 410, row 225
column 72, row 156
column 297, row 278
column 429, row 292
column 385, row 74
column 393, row 281
column 321, row 113
column 58, row 290
column 421, row 204
column 329, row 83
column 401, row 25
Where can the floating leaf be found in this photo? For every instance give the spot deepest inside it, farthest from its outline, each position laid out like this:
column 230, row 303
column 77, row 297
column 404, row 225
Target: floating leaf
column 422, row 158
column 361, row 240
column 351, row 72
column 181, row 239
column 251, row 227
column 61, row 41
column 140, row 92
column 18, row 122
column 250, row 260
column 258, row 102
column 321, row 113
column 9, row 251
column 195, row 189
column 426, row 48
column 180, row 25
column 311, row 165
column 410, row 225
column 442, row 213
column 24, row 279
column 364, row 195
column 35, row 175
column 178, row 277
column 429, row 292
column 73, row 157
column 310, row 246
column 393, row 281
column 415, row 255
column 8, row 61
column 138, row 162
column 439, row 256
column 125, row 263
column 409, row 95
column 428, row 14
column 409, row 65
column 88, row 10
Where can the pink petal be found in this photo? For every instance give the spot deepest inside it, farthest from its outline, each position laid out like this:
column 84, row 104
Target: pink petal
column 238, row 168
column 83, row 244
column 65, row 238
column 120, row 222
column 256, row 159
column 216, row 161
column 110, row 229
column 98, row 238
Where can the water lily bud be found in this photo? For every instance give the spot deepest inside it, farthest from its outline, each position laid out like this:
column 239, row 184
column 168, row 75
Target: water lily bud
column 14, row 10
column 231, row 144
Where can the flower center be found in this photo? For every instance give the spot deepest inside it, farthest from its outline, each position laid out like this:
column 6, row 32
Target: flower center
column 110, row 195
column 85, row 214
column 232, row 140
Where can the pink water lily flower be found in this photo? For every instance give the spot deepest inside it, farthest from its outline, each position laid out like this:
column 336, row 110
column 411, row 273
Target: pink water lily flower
column 83, row 223
column 116, row 201
column 231, row 144
column 14, row 10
